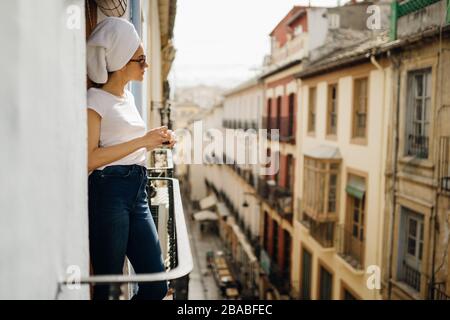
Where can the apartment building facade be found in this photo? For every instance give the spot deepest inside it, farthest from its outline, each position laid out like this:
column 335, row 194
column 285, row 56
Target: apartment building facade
column 338, row 223
column 416, row 264
column 230, row 174
column 289, row 41
column 316, row 33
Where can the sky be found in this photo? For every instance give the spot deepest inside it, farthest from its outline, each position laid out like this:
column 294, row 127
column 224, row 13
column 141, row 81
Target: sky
column 223, row 42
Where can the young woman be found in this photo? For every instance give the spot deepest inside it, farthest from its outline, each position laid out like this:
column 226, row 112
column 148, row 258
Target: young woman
column 120, row 222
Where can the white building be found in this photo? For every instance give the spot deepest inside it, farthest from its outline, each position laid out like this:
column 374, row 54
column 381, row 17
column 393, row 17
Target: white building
column 43, row 132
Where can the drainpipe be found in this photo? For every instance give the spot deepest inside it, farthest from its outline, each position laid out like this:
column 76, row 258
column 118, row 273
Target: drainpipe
column 396, row 63
column 374, row 61
column 377, row 65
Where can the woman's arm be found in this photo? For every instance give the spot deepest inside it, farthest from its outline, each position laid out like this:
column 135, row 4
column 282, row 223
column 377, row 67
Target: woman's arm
column 98, row 157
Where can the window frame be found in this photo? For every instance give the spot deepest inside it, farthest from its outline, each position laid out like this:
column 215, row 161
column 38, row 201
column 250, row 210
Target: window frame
column 291, row 117
column 279, row 108
column 275, row 242
column 362, row 215
column 322, row 266
column 269, row 114
column 319, row 172
column 290, row 173
column 416, row 259
column 302, row 278
column 312, row 110
column 330, row 132
column 355, row 138
column 411, row 114
column 405, row 262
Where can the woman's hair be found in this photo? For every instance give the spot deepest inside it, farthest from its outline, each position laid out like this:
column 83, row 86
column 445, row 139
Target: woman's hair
column 100, row 85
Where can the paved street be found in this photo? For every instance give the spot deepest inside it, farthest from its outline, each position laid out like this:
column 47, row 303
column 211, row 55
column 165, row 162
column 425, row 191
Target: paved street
column 201, row 284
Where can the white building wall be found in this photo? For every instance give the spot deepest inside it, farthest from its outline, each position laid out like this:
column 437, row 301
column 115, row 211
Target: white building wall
column 365, row 158
column 317, row 26
column 43, row 168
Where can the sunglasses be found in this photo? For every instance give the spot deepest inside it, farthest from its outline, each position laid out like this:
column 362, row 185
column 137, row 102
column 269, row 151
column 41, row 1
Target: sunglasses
column 141, row 61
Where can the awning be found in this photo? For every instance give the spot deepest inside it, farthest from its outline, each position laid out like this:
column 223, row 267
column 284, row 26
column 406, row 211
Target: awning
column 208, row 202
column 222, row 209
column 205, row 215
column 244, row 244
column 323, row 152
column 356, row 187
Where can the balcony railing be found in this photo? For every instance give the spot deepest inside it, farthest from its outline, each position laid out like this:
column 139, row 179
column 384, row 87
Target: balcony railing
column 280, row 199
column 246, row 174
column 161, row 163
column 350, row 247
column 417, row 146
column 410, row 276
column 285, row 125
column 438, row 292
column 322, row 232
column 250, row 178
column 240, row 124
column 263, row 188
column 292, row 49
column 166, row 206
column 444, row 164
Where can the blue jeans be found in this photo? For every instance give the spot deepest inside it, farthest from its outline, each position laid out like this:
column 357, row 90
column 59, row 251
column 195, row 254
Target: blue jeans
column 120, row 223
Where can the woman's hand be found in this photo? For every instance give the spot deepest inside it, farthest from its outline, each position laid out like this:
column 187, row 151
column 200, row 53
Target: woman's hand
column 156, row 137
column 172, row 141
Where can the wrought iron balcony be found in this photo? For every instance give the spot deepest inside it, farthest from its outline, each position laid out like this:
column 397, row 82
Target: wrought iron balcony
column 350, row 247
column 161, row 163
column 418, row 146
column 444, row 164
column 263, row 188
column 438, row 292
column 410, row 276
column 285, row 125
column 280, row 199
column 167, row 210
column 322, row 232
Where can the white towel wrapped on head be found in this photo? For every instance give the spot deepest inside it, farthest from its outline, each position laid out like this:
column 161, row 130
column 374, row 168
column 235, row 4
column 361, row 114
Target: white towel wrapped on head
column 110, row 47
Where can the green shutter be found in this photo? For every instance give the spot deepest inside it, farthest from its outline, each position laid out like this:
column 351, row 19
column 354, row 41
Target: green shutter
column 355, row 192
column 356, row 187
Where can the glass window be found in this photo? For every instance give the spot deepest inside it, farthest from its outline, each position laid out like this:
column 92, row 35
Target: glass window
column 360, row 102
column 411, row 248
column 418, row 113
column 332, row 116
column 320, row 187
column 312, row 110
column 326, row 284
column 306, row 275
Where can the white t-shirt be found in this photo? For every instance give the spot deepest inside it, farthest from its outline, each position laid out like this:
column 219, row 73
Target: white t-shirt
column 121, row 122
